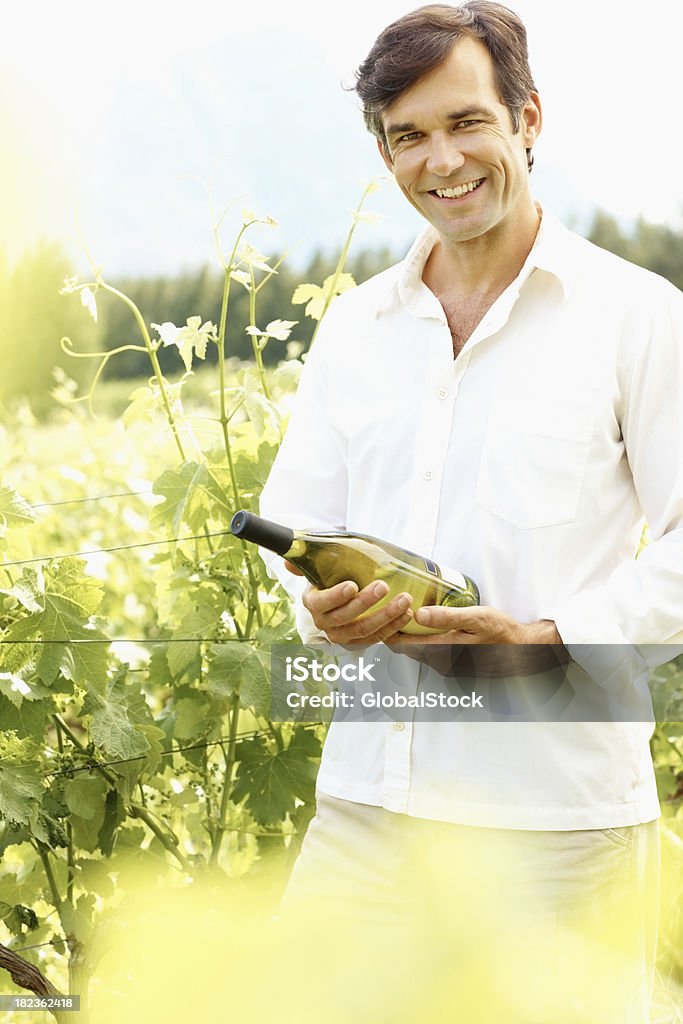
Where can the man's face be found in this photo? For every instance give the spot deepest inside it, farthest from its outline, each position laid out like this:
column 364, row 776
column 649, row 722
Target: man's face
column 450, row 130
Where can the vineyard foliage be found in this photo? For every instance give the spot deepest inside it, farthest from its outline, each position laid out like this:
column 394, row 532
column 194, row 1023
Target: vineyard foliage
column 135, row 720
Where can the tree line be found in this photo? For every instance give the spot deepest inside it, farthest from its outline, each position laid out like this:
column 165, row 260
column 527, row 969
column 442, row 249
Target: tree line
column 34, row 316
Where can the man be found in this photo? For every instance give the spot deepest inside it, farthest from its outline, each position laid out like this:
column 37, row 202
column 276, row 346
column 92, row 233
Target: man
column 507, row 400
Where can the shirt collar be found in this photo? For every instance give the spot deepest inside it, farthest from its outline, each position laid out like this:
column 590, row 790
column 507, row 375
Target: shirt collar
column 553, row 251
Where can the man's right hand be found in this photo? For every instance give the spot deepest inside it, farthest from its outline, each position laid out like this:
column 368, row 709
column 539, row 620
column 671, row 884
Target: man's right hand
column 335, row 612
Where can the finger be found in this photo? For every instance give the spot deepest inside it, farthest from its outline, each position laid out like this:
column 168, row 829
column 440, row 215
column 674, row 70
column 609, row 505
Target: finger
column 374, row 628
column 380, row 637
column 447, row 619
column 383, row 635
column 453, row 636
column 338, row 605
column 320, row 602
column 360, row 603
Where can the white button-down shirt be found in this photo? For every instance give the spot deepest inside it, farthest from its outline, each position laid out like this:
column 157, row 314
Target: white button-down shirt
column 529, row 463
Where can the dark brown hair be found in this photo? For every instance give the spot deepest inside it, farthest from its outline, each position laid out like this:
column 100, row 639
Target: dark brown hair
column 419, row 41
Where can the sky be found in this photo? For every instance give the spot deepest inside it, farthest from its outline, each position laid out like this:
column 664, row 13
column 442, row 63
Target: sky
column 134, row 120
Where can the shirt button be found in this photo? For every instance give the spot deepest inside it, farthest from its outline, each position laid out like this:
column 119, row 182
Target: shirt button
column 442, row 393
column 428, row 474
column 399, row 726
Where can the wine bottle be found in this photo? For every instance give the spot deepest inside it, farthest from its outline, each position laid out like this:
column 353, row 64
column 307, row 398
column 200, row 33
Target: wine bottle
column 326, row 559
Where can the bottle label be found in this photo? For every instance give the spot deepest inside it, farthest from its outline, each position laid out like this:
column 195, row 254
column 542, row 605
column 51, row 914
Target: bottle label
column 432, row 567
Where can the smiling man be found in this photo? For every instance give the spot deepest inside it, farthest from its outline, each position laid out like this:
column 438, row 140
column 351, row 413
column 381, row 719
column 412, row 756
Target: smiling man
column 507, row 400
column 460, row 158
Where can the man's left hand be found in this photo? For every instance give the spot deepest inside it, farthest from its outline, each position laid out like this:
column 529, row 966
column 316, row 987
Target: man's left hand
column 535, row 646
column 479, row 625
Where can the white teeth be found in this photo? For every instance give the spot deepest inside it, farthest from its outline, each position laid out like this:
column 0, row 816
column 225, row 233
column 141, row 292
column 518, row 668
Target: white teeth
column 459, row 190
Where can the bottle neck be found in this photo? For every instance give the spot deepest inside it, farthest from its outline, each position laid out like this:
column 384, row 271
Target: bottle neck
column 263, row 532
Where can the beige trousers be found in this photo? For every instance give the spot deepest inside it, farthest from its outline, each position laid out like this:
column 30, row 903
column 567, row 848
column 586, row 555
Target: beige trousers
column 441, row 922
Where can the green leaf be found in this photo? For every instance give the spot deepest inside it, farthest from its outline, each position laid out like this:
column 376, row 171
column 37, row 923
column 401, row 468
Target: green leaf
column 194, row 717
column 264, row 414
column 198, row 625
column 317, row 297
column 13, row 835
column 14, row 510
column 313, row 295
column 21, row 789
column 64, row 618
column 112, row 728
column 94, row 876
column 287, row 374
column 182, row 489
column 20, row 917
column 143, row 402
column 239, row 666
column 305, row 742
column 191, row 339
column 88, row 300
column 252, row 472
column 28, row 720
column 278, row 329
column 343, row 283
column 29, row 589
column 367, row 217
column 50, row 831
column 272, row 782
column 10, row 888
column 84, row 794
column 15, row 690
column 77, row 920
column 192, row 495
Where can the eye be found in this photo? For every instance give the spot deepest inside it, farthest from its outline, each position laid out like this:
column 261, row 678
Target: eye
column 466, row 124
column 408, row 137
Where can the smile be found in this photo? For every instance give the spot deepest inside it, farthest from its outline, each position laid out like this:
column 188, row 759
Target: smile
column 458, row 191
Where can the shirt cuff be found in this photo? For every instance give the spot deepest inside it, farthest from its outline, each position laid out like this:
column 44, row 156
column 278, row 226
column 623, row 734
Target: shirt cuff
column 306, row 627
column 595, row 641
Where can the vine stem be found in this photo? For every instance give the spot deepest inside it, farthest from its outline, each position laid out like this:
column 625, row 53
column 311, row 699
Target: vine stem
column 154, row 359
column 370, row 187
column 151, row 350
column 230, row 759
column 169, row 841
column 51, row 881
column 257, row 345
column 71, row 867
column 224, row 418
column 65, row 345
column 27, row 976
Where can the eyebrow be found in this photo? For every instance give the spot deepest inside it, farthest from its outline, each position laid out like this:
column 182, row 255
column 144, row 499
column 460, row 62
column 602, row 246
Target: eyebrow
column 458, row 115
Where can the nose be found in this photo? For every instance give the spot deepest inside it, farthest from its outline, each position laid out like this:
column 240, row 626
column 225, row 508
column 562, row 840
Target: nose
column 444, row 155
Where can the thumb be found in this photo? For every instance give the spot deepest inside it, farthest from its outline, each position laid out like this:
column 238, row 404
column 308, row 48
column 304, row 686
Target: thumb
column 293, row 568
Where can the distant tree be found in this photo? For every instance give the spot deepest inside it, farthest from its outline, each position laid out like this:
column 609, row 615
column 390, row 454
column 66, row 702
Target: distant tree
column 654, row 246
column 33, row 319
column 33, row 316
column 199, row 293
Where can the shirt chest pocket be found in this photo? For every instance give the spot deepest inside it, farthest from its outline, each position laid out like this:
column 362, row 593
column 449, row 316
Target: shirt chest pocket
column 534, row 461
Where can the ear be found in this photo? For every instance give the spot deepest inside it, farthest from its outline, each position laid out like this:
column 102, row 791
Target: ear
column 531, row 120
column 385, row 156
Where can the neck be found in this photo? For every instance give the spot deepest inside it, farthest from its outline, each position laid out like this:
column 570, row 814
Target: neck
column 484, row 265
